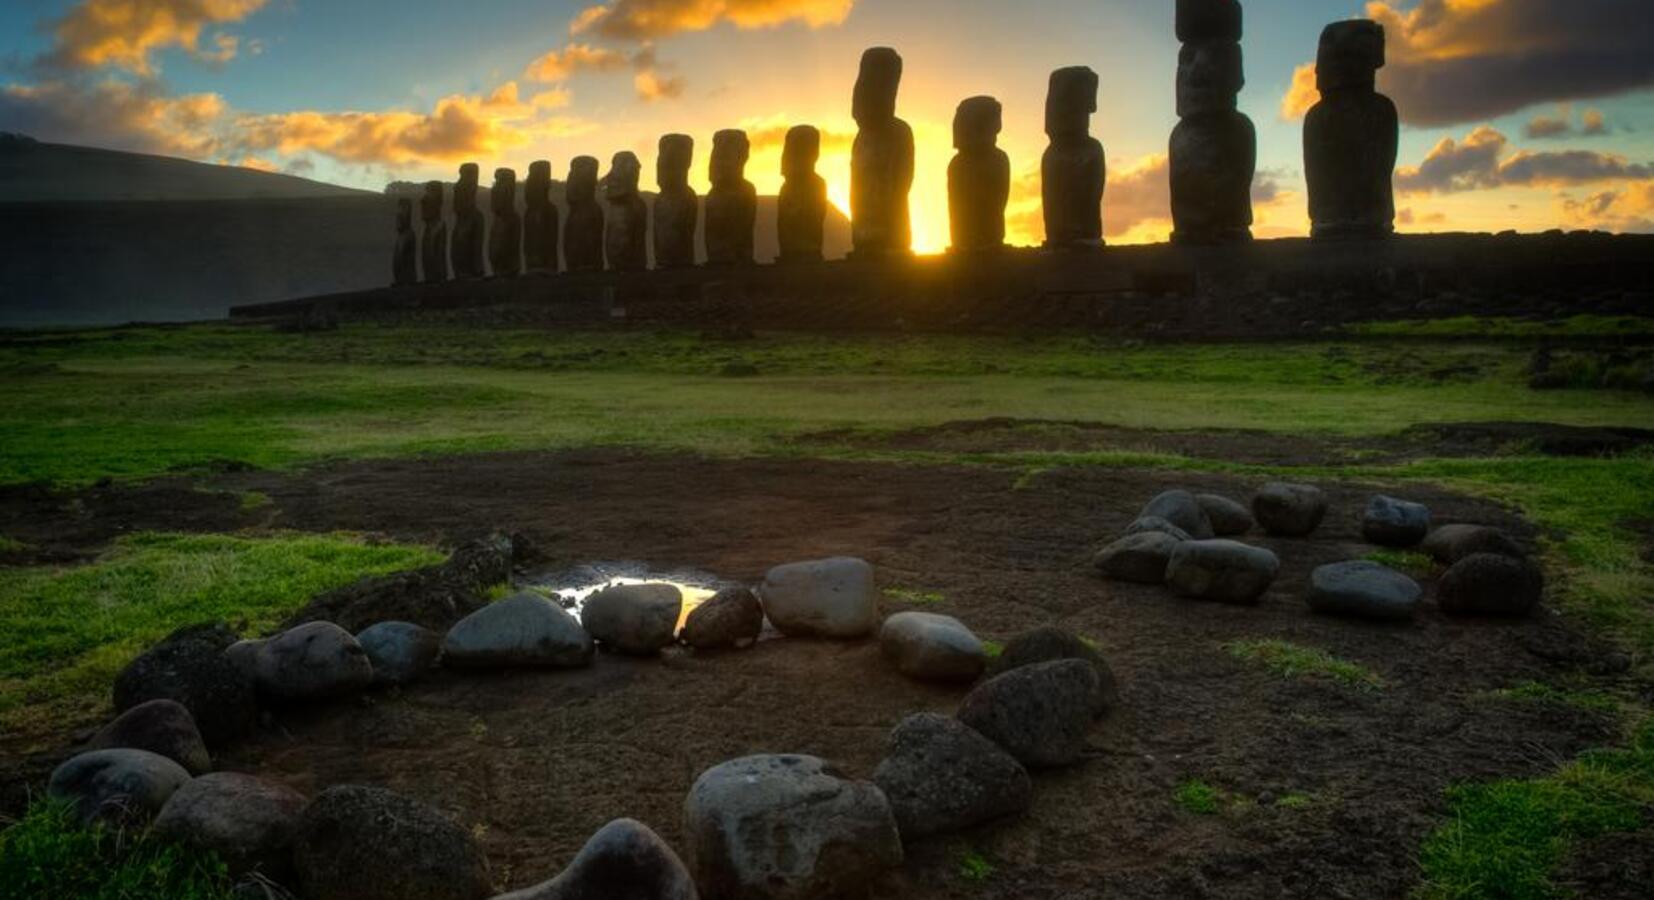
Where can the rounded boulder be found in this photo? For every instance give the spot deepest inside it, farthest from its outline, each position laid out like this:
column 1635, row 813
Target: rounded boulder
column 1228, row 517
column 1451, row 543
column 121, row 786
column 366, row 843
column 624, row 860
column 1221, row 570
column 1180, row 508
column 941, row 775
column 1490, row 584
column 400, row 652
column 731, row 618
column 1363, row 589
column 249, row 822
column 1039, row 714
column 787, row 827
column 1389, row 522
column 313, row 661
column 1049, row 643
column 522, row 630
column 832, row 598
column 1139, row 558
column 189, row 666
column 638, row 619
column 159, row 726
column 1289, row 510
column 932, row 647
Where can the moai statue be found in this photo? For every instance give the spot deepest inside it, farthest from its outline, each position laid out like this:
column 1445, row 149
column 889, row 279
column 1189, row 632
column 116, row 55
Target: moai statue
column 881, row 161
column 583, row 232
column 465, row 250
column 433, row 244
column 539, row 220
column 801, row 209
column 979, row 178
column 1350, row 137
column 1073, row 169
column 1214, row 149
column 732, row 204
column 676, row 206
column 505, row 239
column 405, row 258
column 627, row 228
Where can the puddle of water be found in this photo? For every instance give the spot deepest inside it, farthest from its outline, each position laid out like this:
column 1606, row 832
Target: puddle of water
column 571, row 588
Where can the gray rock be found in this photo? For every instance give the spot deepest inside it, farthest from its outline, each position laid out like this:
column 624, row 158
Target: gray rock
column 1222, row 570
column 1389, row 522
column 435, row 596
column 1290, row 510
column 634, row 618
column 400, row 652
column 833, row 598
column 624, row 860
column 1040, row 714
column 1140, row 557
column 314, row 660
column 1451, row 543
column 941, row 775
column 1490, row 584
column 1228, row 517
column 1049, row 643
column 733, row 617
column 522, row 630
column 122, row 787
column 1363, row 589
column 1156, row 525
column 1182, row 510
column 190, row 667
column 933, row 647
column 367, row 843
column 159, row 726
column 249, row 822
column 787, row 828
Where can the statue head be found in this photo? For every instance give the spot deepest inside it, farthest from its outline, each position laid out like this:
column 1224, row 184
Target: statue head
column 503, row 195
column 621, row 182
column 465, row 189
column 876, row 86
column 802, row 150
column 404, row 213
column 539, row 175
column 976, row 123
column 1350, row 55
column 730, row 150
column 1209, row 75
column 430, row 205
column 672, row 161
column 1069, row 102
column 582, row 183
column 1208, row 20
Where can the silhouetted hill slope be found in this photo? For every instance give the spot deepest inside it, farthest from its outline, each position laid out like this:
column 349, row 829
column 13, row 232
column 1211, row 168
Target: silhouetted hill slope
column 32, row 172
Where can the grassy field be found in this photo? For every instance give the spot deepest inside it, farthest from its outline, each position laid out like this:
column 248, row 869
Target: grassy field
column 134, row 403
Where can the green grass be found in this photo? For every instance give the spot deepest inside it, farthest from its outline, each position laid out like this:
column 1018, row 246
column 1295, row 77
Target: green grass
column 1408, row 561
column 1295, row 801
column 253, row 500
column 1507, row 327
column 1538, row 692
column 47, row 856
column 975, row 867
column 992, row 649
column 66, row 632
column 1290, row 660
column 1505, row 838
column 11, row 545
column 1198, row 797
column 914, row 597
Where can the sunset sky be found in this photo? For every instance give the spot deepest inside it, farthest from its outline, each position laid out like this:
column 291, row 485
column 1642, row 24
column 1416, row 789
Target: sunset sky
column 1524, row 114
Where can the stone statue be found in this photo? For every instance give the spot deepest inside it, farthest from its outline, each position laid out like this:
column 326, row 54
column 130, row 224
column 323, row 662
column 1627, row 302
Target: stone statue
column 1214, row 149
column 405, row 257
column 465, row 250
column 539, row 220
column 627, row 229
column 676, row 206
column 732, row 204
column 583, row 232
column 433, row 244
column 979, row 178
column 505, row 239
column 881, row 161
column 1073, row 169
column 1350, row 137
column 801, row 209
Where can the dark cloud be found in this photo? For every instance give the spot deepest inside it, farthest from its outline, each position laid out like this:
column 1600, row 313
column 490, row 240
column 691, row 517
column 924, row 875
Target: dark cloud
column 1452, row 62
column 1481, row 162
column 643, row 20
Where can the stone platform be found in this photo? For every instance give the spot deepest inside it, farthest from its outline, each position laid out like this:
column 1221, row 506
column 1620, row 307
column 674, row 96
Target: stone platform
column 1265, row 289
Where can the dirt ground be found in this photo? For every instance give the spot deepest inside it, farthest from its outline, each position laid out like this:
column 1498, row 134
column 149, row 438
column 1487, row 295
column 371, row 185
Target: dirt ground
column 535, row 762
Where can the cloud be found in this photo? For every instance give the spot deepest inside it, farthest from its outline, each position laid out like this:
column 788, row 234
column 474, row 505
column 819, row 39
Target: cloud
column 139, row 116
column 573, row 59
column 1480, row 162
column 1592, row 123
column 770, row 133
column 459, row 127
column 125, row 34
column 652, row 86
column 1629, row 209
column 643, row 20
column 1459, row 61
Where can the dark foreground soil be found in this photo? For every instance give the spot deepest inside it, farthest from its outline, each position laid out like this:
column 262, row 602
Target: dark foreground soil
column 534, row 762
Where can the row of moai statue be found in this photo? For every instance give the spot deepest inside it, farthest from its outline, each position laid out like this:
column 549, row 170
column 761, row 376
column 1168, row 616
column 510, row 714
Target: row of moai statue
column 1350, row 142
